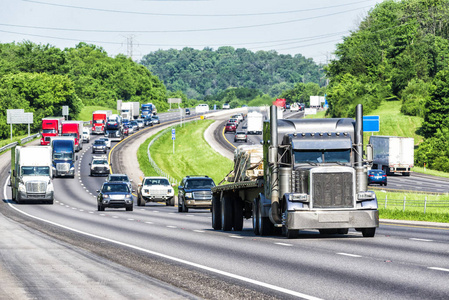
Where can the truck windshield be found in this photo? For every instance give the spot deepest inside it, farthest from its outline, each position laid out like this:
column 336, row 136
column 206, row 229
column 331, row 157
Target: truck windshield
column 71, row 134
column 48, row 130
column 36, row 171
column 323, row 156
column 62, row 156
column 98, row 121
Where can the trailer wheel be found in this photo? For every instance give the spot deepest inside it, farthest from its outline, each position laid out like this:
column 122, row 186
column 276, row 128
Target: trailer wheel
column 226, row 213
column 368, row 232
column 216, row 213
column 255, row 217
column 265, row 225
column 238, row 215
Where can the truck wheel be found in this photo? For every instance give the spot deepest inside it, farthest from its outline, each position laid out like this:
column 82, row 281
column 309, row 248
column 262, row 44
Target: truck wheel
column 226, row 213
column 289, row 233
column 265, row 225
column 172, row 201
column 139, row 200
column 368, row 232
column 100, row 207
column 179, row 208
column 238, row 215
column 50, row 201
column 216, row 213
column 255, row 214
column 184, row 207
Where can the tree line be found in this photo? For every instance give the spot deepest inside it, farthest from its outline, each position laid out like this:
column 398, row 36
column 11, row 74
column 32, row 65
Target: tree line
column 42, row 78
column 210, row 74
column 400, row 52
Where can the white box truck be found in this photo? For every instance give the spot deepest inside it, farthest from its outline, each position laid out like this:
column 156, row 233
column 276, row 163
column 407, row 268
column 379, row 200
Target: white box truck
column 393, row 154
column 255, row 122
column 31, row 174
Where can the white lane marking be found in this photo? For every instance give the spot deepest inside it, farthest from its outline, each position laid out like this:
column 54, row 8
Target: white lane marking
column 438, row 269
column 81, row 209
column 179, row 260
column 155, row 211
column 190, row 215
column 236, row 237
column 284, row 244
column 172, row 226
column 149, row 222
column 420, row 240
column 103, row 215
column 91, row 212
column 200, row 231
column 115, row 217
column 74, row 208
column 130, row 219
column 349, row 254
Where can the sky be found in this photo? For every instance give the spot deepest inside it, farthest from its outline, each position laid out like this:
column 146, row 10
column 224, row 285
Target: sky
column 138, row 27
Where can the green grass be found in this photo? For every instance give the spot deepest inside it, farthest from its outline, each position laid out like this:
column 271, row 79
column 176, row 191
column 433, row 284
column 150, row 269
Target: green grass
column 86, row 112
column 319, row 115
column 193, row 155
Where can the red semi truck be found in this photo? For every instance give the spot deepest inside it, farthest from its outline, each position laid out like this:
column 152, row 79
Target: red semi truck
column 51, row 126
column 280, row 103
column 75, row 129
column 99, row 118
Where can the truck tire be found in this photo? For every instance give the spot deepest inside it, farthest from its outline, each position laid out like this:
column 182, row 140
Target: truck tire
column 139, row 200
column 50, row 201
column 184, row 207
column 265, row 226
column 129, row 208
column 238, row 214
column 368, row 232
column 172, row 201
column 226, row 213
column 216, row 213
column 100, row 207
column 179, row 208
column 255, row 214
column 289, row 233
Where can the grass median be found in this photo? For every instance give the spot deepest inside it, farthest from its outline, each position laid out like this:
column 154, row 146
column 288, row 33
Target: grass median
column 192, row 154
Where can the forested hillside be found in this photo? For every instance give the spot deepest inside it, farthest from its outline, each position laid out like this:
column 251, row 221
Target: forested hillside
column 206, row 73
column 41, row 79
column 399, row 52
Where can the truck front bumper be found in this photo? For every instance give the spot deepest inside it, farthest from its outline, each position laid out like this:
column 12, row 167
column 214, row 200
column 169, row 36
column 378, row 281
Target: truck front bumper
column 332, row 219
column 23, row 196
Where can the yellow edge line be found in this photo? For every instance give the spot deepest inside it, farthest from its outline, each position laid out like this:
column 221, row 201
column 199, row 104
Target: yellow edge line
column 224, row 136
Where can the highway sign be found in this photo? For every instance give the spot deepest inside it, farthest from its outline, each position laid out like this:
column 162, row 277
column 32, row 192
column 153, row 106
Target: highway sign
column 371, row 123
column 173, row 134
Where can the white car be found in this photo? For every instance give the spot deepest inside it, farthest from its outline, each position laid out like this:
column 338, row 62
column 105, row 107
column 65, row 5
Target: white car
column 107, row 140
column 99, row 165
column 86, row 135
column 140, row 123
column 155, row 189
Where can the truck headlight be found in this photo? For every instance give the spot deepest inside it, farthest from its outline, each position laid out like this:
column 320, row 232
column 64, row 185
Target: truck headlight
column 170, row 191
column 189, row 195
column 22, row 188
column 368, row 195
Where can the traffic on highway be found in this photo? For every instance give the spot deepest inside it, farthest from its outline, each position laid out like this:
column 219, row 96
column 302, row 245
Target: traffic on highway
column 209, row 240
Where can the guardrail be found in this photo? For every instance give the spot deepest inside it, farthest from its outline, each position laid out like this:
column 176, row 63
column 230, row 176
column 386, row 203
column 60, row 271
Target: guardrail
column 22, row 141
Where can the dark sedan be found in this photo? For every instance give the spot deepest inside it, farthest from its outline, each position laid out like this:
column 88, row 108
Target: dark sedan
column 377, row 177
column 115, row 195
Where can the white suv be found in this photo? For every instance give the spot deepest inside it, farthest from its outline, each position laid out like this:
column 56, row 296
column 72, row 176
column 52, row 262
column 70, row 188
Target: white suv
column 86, row 135
column 155, row 189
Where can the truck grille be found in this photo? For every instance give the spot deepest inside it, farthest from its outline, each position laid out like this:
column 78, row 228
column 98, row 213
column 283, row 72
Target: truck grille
column 36, row 187
column 98, row 129
column 63, row 167
column 332, row 190
column 157, row 192
column 202, row 195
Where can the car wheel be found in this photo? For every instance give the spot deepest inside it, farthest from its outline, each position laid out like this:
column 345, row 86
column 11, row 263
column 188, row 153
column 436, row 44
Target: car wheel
column 179, row 208
column 139, row 201
column 184, row 207
column 100, row 207
column 129, row 208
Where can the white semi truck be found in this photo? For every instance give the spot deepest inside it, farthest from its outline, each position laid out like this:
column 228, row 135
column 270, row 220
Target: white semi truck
column 314, row 177
column 130, row 110
column 31, row 174
column 393, row 154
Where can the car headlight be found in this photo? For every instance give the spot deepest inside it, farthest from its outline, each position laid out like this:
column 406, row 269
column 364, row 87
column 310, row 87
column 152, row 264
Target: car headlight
column 105, row 196
column 170, row 191
column 189, row 195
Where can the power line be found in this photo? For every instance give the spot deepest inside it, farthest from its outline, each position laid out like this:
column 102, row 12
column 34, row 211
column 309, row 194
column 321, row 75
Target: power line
column 184, row 30
column 193, row 15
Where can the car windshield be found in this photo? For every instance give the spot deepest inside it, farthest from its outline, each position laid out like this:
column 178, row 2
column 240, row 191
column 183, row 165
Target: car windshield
column 99, row 162
column 100, row 143
column 35, row 171
column 328, row 156
column 200, row 183
column 240, row 132
column 230, row 124
column 119, row 178
column 156, row 181
column 133, row 123
column 115, row 188
column 63, row 156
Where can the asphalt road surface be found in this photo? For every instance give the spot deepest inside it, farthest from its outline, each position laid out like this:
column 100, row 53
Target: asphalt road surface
column 118, row 254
